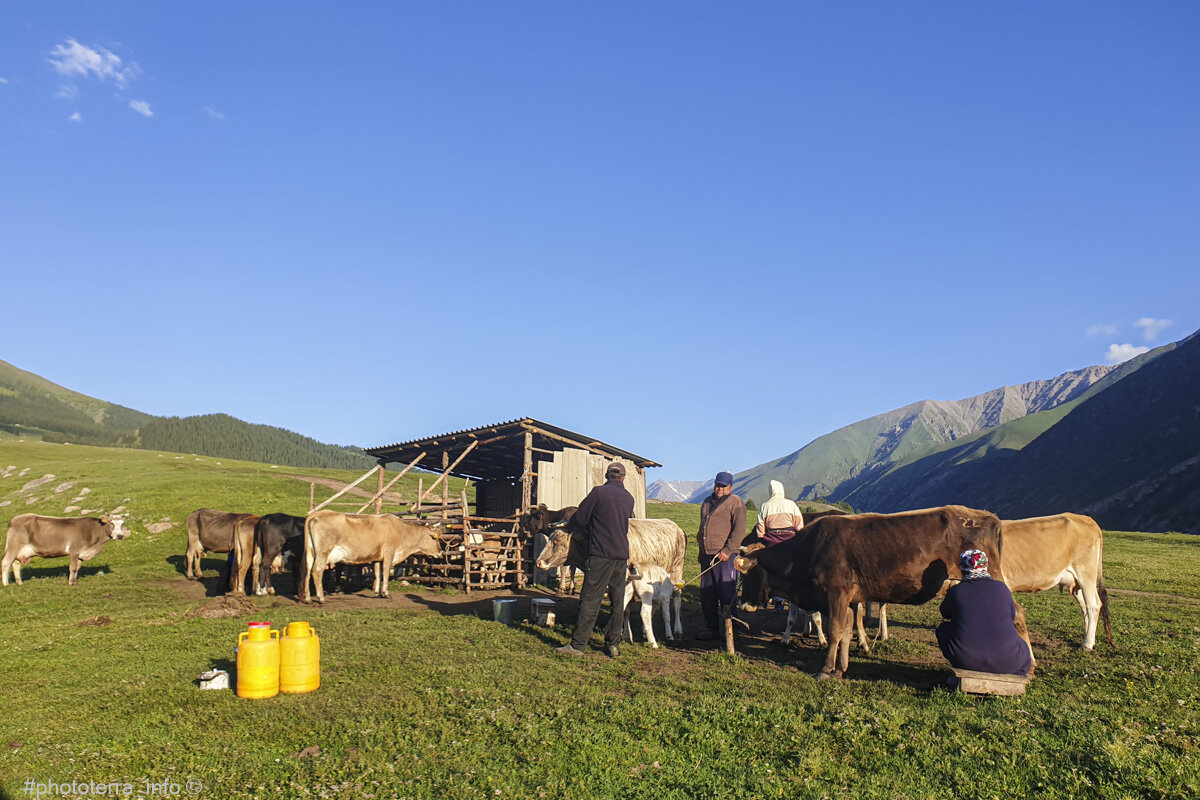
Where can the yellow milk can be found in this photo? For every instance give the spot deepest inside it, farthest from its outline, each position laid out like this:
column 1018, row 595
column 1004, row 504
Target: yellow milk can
column 299, row 659
column 258, row 661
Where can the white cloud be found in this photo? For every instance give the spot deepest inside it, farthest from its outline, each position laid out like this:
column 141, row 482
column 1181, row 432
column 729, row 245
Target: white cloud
column 141, row 107
column 3, row 81
column 68, row 91
column 76, row 117
column 1123, row 352
column 1102, row 330
column 212, row 112
column 1152, row 327
column 74, row 59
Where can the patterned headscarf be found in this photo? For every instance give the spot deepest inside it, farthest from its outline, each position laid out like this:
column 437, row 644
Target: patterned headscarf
column 974, row 565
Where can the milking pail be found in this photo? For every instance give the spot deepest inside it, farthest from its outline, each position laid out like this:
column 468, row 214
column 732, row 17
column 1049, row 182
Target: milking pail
column 299, row 659
column 258, row 661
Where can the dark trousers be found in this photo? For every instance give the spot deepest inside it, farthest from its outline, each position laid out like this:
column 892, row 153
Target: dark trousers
column 718, row 590
column 600, row 575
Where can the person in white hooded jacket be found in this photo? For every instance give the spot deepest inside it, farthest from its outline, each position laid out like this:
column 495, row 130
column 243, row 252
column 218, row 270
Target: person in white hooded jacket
column 778, row 519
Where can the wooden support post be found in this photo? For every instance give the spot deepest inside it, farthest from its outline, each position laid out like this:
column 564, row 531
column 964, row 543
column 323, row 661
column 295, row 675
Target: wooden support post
column 729, row 637
column 445, row 482
column 434, row 485
column 527, row 473
column 379, row 492
column 417, row 505
column 312, row 495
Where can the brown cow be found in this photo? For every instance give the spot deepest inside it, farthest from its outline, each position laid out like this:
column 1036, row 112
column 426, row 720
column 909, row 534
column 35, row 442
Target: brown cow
column 81, row 538
column 331, row 537
column 1061, row 550
column 215, row 531
column 885, row 558
column 1064, row 550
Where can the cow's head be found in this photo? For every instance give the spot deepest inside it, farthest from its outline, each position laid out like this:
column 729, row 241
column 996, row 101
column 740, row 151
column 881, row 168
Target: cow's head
column 116, row 527
column 535, row 519
column 430, row 545
column 744, row 563
column 554, row 554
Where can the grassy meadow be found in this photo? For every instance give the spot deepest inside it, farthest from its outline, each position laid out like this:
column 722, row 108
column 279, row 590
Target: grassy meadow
column 424, row 696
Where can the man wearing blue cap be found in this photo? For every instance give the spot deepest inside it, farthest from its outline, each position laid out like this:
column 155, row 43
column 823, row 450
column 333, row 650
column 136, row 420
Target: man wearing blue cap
column 722, row 527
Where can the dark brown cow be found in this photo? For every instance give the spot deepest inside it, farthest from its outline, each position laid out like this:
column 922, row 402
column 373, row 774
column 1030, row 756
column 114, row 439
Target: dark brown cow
column 884, row 558
column 331, row 537
column 81, row 538
column 756, row 588
column 278, row 547
column 215, row 531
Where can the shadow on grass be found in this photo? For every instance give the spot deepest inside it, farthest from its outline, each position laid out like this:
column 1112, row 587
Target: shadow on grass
column 213, row 586
column 63, row 572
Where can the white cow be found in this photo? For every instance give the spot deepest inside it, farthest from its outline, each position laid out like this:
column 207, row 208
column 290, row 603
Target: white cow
column 654, row 587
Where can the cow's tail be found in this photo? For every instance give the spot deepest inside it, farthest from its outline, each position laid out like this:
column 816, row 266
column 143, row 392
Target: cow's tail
column 1105, row 617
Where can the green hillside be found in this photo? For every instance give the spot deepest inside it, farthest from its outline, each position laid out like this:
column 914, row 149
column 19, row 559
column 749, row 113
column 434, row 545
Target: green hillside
column 223, row 436
column 35, row 408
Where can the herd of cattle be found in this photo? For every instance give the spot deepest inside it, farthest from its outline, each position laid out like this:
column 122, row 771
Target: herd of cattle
column 839, row 562
column 834, row 565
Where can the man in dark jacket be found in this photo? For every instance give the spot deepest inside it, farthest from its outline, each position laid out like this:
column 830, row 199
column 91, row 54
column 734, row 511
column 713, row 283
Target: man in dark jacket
column 722, row 527
column 605, row 515
column 979, row 633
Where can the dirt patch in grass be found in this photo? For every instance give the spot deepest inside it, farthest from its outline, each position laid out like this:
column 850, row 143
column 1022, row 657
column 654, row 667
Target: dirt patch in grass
column 96, row 622
column 227, row 606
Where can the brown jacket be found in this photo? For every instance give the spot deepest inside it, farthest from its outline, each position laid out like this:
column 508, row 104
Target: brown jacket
column 722, row 525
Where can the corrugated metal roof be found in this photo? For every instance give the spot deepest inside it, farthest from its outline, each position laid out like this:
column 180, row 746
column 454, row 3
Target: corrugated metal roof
column 442, row 442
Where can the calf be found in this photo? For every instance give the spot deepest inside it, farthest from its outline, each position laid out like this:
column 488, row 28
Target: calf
column 653, row 587
column 81, row 538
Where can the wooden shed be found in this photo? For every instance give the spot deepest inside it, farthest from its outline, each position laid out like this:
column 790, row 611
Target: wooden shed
column 513, row 465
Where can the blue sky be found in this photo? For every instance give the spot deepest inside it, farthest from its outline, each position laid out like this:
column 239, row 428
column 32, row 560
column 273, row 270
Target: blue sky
column 705, row 232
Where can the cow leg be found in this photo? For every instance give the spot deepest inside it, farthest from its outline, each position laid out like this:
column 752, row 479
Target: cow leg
column 383, row 571
column 191, row 561
column 860, row 611
column 818, row 624
column 318, row 576
column 73, row 580
column 1023, row 632
column 1089, row 602
column 793, row 615
column 677, row 608
column 256, row 573
column 648, row 618
column 841, row 628
column 262, row 567
column 6, row 563
column 664, row 603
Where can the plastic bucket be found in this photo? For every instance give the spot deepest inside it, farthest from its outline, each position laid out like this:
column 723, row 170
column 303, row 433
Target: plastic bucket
column 503, row 610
